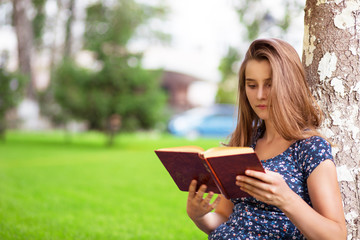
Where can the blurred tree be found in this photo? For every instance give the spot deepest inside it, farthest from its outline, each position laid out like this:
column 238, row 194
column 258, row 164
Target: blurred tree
column 257, row 20
column 48, row 105
column 24, row 33
column 109, row 28
column 38, row 22
column 31, row 21
column 11, row 92
column 119, row 86
column 227, row 90
column 68, row 27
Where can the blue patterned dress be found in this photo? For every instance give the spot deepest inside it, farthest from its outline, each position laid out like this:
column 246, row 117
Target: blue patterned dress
column 252, row 219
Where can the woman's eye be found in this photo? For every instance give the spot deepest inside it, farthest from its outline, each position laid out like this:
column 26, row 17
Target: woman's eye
column 251, row 86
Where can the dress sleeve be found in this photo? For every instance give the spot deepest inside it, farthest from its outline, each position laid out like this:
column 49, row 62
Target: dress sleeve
column 314, row 151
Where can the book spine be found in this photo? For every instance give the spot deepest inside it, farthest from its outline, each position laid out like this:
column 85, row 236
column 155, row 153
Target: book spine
column 213, row 175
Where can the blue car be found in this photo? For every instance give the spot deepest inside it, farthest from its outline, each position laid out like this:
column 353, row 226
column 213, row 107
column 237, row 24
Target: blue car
column 216, row 121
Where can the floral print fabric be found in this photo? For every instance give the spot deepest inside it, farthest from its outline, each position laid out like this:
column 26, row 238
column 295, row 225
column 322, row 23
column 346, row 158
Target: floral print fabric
column 252, row 219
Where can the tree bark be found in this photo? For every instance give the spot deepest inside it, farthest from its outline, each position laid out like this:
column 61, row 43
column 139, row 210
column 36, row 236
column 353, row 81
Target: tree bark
column 24, row 35
column 331, row 56
column 68, row 31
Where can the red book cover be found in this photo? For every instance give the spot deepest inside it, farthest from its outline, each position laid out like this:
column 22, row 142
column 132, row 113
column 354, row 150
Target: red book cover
column 217, row 168
column 226, row 168
column 183, row 167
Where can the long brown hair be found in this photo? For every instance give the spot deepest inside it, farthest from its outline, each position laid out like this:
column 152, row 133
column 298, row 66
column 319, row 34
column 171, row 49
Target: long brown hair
column 293, row 109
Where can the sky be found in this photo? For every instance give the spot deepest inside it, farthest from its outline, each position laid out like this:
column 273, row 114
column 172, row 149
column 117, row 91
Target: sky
column 201, row 32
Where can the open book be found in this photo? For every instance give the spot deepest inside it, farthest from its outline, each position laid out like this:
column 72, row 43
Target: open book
column 217, row 167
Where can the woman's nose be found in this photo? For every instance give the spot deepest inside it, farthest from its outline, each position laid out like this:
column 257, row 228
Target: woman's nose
column 262, row 93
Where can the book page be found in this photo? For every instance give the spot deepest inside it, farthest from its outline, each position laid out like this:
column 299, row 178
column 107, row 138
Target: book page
column 182, row 149
column 225, row 151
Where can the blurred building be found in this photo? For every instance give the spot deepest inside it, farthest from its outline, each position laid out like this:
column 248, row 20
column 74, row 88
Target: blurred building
column 186, row 91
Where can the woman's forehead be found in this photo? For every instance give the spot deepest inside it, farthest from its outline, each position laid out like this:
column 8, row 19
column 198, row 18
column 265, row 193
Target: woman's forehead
column 256, row 69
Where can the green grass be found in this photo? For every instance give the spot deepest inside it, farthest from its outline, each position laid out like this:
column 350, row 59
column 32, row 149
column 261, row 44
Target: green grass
column 54, row 186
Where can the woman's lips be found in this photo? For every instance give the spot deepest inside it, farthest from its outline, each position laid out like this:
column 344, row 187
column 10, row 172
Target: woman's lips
column 261, row 106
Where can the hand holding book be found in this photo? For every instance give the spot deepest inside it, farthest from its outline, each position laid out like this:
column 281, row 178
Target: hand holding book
column 217, row 168
column 197, row 205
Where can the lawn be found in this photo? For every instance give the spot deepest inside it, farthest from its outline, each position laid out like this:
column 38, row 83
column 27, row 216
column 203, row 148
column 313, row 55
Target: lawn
column 56, row 186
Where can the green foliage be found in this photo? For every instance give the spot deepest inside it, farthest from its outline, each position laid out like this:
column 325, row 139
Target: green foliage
column 121, row 86
column 38, row 21
column 226, row 66
column 252, row 25
column 109, row 28
column 227, row 89
column 11, row 92
column 131, row 92
column 69, row 83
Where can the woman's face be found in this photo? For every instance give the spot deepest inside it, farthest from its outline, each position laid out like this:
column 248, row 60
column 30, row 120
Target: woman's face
column 258, row 86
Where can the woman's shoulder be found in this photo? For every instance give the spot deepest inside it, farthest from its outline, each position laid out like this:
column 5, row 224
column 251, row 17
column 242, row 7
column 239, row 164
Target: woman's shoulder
column 314, row 141
column 314, row 147
column 311, row 152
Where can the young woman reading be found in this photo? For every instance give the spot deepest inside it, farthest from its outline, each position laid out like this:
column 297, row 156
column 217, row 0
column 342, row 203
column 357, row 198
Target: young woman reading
column 298, row 197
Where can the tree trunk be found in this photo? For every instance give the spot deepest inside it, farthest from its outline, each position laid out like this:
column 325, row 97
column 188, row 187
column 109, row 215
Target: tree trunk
column 54, row 49
column 24, row 35
column 331, row 56
column 68, row 31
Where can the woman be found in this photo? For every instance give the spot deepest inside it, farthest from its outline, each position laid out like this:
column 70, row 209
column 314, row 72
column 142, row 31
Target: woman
column 298, row 197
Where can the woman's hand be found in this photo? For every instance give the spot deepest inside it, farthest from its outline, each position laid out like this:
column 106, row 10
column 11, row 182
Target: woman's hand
column 269, row 187
column 197, row 205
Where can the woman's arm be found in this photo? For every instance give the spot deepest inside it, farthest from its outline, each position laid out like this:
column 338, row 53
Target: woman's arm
column 324, row 221
column 200, row 209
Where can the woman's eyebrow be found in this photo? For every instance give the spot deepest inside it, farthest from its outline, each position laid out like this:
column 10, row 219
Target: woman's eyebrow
column 250, row 80
column 253, row 80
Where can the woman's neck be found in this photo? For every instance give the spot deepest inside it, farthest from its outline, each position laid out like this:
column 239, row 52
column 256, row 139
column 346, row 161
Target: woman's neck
column 271, row 134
